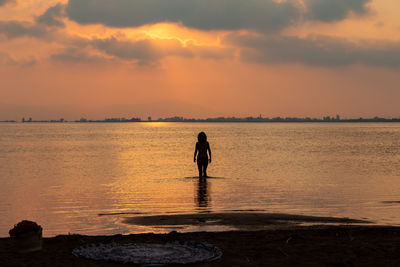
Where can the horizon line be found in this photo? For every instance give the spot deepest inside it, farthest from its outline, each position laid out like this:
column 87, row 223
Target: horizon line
column 336, row 118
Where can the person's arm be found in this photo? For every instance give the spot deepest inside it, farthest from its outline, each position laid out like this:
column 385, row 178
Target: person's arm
column 209, row 152
column 195, row 153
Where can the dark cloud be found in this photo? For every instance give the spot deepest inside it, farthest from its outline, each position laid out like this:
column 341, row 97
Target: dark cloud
column 52, row 16
column 333, row 10
column 316, row 51
column 143, row 51
column 148, row 52
column 78, row 55
column 44, row 24
column 260, row 15
column 4, row 2
column 14, row 29
column 266, row 15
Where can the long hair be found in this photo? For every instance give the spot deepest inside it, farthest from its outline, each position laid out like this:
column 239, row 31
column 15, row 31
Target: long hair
column 202, row 137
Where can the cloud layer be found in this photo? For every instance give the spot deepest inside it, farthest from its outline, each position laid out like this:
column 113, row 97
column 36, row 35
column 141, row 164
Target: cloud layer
column 262, row 15
column 262, row 44
column 52, row 16
column 15, row 29
column 315, row 51
column 41, row 25
column 6, row 59
column 204, row 14
column 4, row 2
column 147, row 52
column 333, row 10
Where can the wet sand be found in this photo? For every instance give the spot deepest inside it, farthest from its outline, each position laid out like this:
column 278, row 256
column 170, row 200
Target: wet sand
column 238, row 221
column 291, row 245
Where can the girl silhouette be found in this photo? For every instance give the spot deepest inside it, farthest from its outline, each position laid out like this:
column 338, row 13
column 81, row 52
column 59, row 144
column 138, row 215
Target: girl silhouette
column 202, row 146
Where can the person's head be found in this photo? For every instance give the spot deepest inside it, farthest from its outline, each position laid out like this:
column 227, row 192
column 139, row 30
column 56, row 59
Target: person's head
column 202, row 137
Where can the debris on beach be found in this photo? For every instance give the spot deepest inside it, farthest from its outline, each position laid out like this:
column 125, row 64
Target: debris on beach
column 27, row 236
column 151, row 254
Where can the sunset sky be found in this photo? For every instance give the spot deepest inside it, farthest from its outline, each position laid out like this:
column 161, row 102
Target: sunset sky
column 199, row 58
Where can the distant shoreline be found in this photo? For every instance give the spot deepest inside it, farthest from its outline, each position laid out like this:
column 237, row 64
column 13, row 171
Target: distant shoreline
column 258, row 119
column 213, row 121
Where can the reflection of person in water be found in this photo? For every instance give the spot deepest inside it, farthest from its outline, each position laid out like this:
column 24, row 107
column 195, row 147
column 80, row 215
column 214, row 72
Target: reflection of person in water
column 202, row 147
column 202, row 194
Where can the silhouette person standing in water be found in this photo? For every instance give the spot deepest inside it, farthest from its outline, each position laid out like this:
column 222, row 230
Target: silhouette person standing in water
column 202, row 146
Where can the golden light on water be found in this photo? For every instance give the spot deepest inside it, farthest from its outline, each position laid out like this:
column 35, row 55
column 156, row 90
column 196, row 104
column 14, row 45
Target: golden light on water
column 64, row 176
column 157, row 124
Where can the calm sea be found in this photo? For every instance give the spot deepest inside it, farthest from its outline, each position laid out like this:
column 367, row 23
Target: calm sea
column 86, row 178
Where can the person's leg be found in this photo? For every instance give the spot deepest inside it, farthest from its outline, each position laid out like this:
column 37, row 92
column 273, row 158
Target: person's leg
column 205, row 168
column 199, row 167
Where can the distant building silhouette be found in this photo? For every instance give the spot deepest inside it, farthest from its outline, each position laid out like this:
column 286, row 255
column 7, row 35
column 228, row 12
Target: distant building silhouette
column 333, row 119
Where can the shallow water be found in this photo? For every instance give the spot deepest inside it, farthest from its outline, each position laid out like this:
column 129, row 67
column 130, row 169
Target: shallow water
column 64, row 175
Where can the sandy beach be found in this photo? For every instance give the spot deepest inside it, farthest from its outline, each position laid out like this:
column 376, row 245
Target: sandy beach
column 292, row 245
